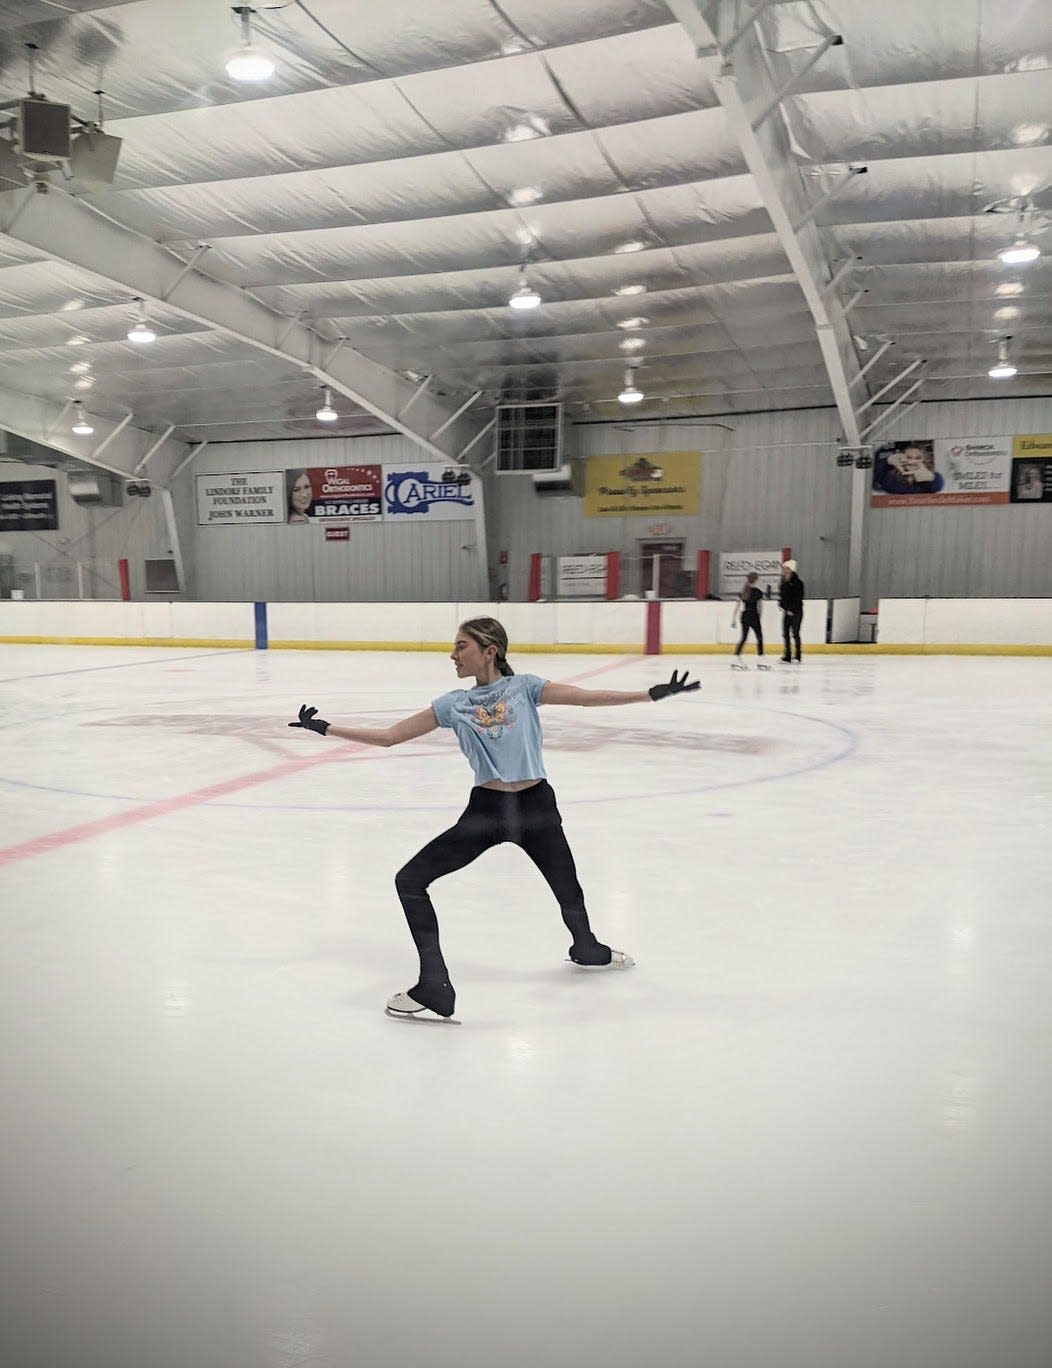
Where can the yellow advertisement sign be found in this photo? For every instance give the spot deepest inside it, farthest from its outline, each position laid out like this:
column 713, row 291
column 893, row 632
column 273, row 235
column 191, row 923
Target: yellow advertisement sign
column 1037, row 444
column 647, row 486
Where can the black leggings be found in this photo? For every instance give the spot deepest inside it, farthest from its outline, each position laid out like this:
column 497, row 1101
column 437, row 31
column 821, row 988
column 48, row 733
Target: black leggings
column 753, row 624
column 529, row 819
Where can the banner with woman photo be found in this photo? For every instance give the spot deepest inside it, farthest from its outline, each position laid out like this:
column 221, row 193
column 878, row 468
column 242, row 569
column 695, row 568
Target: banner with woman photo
column 944, row 471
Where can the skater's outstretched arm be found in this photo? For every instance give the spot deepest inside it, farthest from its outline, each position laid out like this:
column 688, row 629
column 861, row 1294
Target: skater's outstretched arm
column 611, row 698
column 407, row 730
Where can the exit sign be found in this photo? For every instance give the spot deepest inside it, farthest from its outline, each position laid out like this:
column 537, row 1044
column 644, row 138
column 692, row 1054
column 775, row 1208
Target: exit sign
column 660, row 529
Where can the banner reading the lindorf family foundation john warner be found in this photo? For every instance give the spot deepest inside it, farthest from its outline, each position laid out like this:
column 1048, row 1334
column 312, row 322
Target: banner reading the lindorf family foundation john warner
column 647, row 485
column 943, row 471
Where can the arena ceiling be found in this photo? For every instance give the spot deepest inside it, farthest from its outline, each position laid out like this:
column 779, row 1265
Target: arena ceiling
column 362, row 217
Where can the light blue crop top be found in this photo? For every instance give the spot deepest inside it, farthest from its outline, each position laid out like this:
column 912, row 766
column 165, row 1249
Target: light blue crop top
column 497, row 726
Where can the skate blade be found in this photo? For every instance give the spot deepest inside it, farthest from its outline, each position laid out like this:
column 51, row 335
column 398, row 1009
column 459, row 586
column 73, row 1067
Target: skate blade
column 425, row 1014
column 626, row 962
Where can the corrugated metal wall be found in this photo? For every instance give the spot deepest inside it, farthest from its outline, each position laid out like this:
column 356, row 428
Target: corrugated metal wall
column 783, row 488
column 768, row 480
column 382, row 561
column 991, row 552
column 97, row 536
column 764, row 485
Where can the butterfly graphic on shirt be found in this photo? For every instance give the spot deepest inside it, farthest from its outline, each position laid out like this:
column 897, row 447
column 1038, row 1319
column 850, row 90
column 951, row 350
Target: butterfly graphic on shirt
column 492, row 724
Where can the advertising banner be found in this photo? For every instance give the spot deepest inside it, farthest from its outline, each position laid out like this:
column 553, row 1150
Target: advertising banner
column 647, row 486
column 28, row 506
column 1032, row 469
column 322, row 493
column 581, row 576
column 950, row 472
column 736, row 566
column 231, row 500
column 429, row 493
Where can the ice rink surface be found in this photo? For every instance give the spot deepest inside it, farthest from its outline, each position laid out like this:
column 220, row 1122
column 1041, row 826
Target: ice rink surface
column 809, row 1130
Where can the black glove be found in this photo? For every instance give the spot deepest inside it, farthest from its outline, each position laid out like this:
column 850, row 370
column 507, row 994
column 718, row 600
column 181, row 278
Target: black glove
column 674, row 686
column 309, row 722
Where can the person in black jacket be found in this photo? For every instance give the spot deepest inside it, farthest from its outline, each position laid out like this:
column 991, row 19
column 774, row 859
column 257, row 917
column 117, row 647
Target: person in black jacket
column 791, row 602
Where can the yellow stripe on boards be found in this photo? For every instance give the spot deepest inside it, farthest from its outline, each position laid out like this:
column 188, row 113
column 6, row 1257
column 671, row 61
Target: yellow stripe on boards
column 863, row 648
column 240, row 644
column 562, row 648
column 540, row 648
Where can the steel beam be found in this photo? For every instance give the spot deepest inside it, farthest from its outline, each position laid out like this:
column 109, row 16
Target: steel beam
column 872, row 362
column 194, row 451
column 154, row 447
column 70, row 230
column 745, row 91
column 883, row 417
column 41, row 420
column 890, row 386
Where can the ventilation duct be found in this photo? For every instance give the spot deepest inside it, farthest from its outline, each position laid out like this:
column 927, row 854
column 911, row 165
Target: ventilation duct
column 529, row 438
column 94, row 489
column 565, row 479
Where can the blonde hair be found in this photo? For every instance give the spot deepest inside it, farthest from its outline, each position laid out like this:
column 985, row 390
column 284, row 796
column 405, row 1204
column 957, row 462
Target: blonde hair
column 488, row 632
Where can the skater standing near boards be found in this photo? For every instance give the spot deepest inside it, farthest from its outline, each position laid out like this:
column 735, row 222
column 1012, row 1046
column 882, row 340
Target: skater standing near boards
column 750, row 601
column 791, row 602
column 499, row 730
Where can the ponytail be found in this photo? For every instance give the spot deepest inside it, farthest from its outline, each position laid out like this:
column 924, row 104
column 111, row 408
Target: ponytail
column 488, row 632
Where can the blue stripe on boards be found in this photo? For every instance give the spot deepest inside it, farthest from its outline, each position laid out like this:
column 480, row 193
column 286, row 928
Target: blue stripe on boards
column 261, row 626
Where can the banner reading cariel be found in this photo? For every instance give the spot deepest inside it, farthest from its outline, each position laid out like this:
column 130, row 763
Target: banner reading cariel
column 657, row 483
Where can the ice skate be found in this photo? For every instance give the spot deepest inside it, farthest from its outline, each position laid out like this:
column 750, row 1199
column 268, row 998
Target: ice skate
column 618, row 960
column 405, row 1008
column 738, row 665
column 761, row 666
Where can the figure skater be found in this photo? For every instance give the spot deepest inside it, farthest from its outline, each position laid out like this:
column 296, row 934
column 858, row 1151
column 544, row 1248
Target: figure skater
column 497, row 726
column 750, row 601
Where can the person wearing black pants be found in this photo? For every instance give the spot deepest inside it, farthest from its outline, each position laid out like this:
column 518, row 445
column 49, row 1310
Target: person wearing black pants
column 498, row 728
column 791, row 602
column 750, row 601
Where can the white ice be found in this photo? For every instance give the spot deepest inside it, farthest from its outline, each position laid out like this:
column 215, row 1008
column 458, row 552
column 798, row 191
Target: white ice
column 809, row 1130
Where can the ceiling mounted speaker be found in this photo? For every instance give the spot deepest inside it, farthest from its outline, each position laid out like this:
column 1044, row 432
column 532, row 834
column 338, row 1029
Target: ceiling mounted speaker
column 43, row 128
column 93, row 157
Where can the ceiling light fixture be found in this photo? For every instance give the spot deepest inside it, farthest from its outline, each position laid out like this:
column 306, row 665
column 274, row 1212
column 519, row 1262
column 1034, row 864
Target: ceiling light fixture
column 1004, row 370
column 631, row 394
column 327, row 414
column 85, row 382
column 524, row 297
column 525, row 194
column 1010, row 288
column 631, row 344
column 81, row 427
column 630, row 290
column 1020, row 253
column 140, row 331
column 248, row 63
column 1025, row 135
column 633, row 245
column 631, row 324
column 530, row 126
